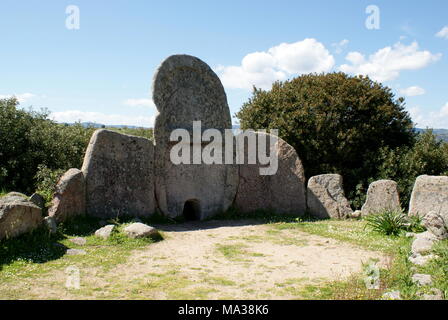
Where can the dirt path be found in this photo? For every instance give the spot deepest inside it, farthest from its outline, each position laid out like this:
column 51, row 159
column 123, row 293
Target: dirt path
column 204, row 260
column 239, row 260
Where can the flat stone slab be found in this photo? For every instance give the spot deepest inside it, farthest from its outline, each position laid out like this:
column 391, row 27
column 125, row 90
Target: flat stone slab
column 119, row 174
column 282, row 192
column 75, row 252
column 140, row 230
column 430, row 193
column 326, row 198
column 80, row 241
column 105, row 232
column 422, row 279
column 382, row 195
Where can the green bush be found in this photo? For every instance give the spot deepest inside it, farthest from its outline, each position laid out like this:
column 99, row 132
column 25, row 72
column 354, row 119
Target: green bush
column 392, row 223
column 404, row 164
column 337, row 123
column 29, row 141
column 388, row 223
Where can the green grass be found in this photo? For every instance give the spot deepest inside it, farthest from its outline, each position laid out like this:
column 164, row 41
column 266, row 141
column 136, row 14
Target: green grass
column 39, row 254
column 395, row 276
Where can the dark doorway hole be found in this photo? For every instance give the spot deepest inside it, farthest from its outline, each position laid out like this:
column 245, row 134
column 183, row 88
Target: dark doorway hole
column 192, row 210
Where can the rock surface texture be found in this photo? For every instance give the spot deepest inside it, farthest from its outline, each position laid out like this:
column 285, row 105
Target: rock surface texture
column 69, row 200
column 185, row 89
column 430, row 193
column 119, row 175
column 140, row 230
column 326, row 198
column 283, row 192
column 381, row 195
column 18, row 215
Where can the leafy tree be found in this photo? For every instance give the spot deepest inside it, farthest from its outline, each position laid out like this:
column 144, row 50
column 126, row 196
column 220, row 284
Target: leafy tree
column 404, row 164
column 337, row 123
column 29, row 140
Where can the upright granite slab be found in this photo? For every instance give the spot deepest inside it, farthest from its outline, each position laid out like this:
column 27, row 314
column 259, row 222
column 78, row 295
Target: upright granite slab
column 381, row 195
column 119, row 174
column 185, row 89
column 326, row 198
column 69, row 200
column 430, row 193
column 282, row 192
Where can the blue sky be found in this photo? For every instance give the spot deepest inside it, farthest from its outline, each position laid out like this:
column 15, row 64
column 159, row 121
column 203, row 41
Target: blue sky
column 103, row 71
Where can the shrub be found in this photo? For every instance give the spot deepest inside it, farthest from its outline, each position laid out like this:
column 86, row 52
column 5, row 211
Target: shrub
column 31, row 141
column 388, row 222
column 404, row 164
column 337, row 123
column 392, row 223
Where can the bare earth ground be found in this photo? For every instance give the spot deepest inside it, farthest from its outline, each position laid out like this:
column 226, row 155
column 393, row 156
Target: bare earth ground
column 218, row 260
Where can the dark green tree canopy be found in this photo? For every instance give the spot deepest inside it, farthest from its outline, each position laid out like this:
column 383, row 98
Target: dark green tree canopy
column 337, row 123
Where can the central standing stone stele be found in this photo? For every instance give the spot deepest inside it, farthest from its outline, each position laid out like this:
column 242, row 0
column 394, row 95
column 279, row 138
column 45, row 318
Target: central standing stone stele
column 185, row 89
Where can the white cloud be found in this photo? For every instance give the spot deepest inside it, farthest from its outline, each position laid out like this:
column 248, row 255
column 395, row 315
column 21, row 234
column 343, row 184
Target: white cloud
column 71, row 116
column 339, row 46
column 139, row 103
column 443, row 33
column 435, row 120
column 22, row 97
column 277, row 63
column 387, row 63
column 412, row 91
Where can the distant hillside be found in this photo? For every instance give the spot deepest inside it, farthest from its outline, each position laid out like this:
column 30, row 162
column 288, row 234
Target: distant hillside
column 442, row 134
column 100, row 125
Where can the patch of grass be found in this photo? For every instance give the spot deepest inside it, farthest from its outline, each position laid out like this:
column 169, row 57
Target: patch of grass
column 233, row 252
column 267, row 216
column 40, row 255
column 352, row 231
column 221, row 281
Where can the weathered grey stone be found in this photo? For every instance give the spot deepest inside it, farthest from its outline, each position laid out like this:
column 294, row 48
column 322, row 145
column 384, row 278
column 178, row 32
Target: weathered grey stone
column 18, row 216
column 119, row 175
column 50, row 224
column 105, row 231
column 410, row 234
column 423, row 243
column 75, row 252
column 185, row 89
column 140, row 230
column 69, row 200
column 433, row 294
column 326, row 198
column 381, row 195
column 392, row 295
column 38, row 200
column 282, row 192
column 435, row 224
column 420, row 260
column 422, row 279
column 80, row 241
column 430, row 193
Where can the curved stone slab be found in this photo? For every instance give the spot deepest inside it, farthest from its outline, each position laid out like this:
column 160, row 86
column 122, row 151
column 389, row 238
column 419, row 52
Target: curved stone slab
column 185, row 89
column 282, row 192
column 118, row 170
